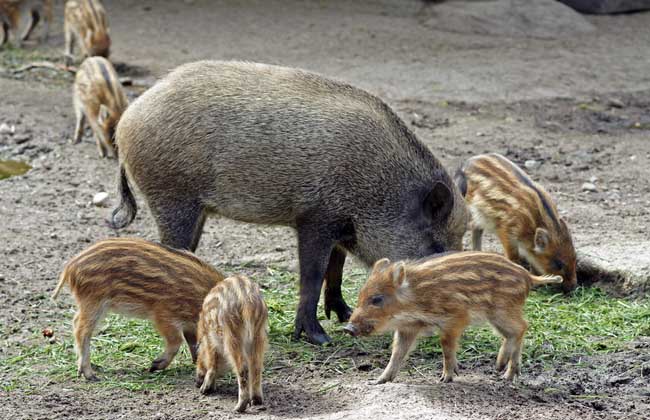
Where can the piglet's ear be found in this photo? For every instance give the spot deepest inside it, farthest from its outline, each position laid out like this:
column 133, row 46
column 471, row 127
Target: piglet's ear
column 381, row 265
column 399, row 274
column 542, row 239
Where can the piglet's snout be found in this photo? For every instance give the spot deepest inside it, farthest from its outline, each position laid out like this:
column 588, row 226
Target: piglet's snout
column 351, row 329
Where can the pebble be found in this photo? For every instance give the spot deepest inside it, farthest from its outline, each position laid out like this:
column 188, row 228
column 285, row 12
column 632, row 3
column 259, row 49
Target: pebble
column 5, row 129
column 588, row 186
column 593, row 179
column 100, row 199
column 22, row 138
column 532, row 164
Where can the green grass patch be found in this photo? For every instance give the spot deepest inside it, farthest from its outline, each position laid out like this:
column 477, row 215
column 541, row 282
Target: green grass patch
column 561, row 327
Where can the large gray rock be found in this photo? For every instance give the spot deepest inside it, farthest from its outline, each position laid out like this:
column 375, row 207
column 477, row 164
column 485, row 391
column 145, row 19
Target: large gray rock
column 607, row 6
column 625, row 270
column 516, row 18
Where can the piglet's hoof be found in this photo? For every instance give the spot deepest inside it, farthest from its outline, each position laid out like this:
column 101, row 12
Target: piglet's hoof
column 241, row 406
column 158, row 364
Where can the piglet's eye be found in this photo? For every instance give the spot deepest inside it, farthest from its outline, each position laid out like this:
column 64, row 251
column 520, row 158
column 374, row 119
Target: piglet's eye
column 557, row 264
column 377, row 300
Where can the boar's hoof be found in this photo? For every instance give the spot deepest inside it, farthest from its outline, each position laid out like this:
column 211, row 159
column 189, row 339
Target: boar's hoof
column 257, row 400
column 342, row 310
column 313, row 332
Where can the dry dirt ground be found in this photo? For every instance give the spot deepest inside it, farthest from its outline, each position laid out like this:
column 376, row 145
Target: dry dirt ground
column 579, row 105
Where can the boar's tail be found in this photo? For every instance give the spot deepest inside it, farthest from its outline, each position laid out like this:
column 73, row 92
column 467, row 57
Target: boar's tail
column 63, row 279
column 548, row 279
column 127, row 206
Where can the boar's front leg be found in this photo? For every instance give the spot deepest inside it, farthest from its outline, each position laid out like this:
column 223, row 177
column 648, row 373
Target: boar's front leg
column 403, row 342
column 333, row 297
column 315, row 244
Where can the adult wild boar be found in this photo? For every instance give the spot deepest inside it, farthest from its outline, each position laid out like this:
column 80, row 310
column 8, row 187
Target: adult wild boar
column 282, row 146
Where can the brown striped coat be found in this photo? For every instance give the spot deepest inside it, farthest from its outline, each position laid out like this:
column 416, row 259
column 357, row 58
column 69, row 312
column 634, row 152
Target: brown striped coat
column 86, row 25
column 447, row 293
column 139, row 279
column 99, row 99
column 232, row 332
column 18, row 19
column 502, row 199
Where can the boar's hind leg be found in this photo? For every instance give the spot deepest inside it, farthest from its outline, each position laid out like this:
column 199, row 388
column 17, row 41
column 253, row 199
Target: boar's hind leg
column 403, row 342
column 333, row 297
column 180, row 223
column 173, row 340
column 315, row 244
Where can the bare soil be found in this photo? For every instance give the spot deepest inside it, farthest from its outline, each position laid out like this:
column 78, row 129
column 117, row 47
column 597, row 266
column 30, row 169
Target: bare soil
column 580, row 106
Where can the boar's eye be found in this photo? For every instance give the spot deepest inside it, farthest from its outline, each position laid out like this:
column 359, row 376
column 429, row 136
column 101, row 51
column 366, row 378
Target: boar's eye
column 377, row 300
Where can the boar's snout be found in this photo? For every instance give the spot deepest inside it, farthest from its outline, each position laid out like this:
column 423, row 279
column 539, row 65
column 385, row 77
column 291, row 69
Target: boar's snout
column 351, row 329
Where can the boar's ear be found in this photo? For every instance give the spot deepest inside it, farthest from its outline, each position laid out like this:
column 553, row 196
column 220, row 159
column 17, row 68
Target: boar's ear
column 541, row 240
column 381, row 265
column 399, row 274
column 439, row 202
column 103, row 114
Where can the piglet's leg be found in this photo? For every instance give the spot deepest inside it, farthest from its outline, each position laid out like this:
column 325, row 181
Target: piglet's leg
column 449, row 335
column 84, row 324
column 513, row 327
column 256, row 362
column 190, row 339
column 234, row 349
column 209, row 380
column 173, row 340
column 403, row 342
column 509, row 247
column 477, row 239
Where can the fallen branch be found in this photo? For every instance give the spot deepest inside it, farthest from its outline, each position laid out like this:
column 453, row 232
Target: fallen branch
column 47, row 65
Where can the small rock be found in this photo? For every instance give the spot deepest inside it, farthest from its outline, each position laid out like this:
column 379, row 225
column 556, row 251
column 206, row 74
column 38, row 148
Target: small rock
column 48, row 332
column 645, row 371
column 633, row 157
column 479, row 134
column 52, row 340
column 593, row 179
column 615, row 103
column 100, row 199
column 532, row 164
column 588, row 186
column 619, row 380
column 365, row 367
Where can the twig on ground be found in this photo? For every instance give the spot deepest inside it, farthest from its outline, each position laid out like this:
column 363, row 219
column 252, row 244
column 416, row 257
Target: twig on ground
column 47, row 65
